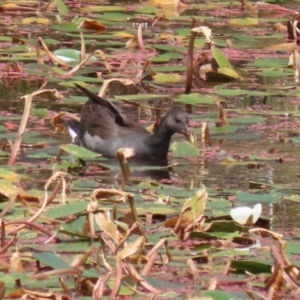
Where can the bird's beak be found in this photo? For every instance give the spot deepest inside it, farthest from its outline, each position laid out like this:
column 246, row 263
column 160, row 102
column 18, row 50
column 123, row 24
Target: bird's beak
column 189, row 135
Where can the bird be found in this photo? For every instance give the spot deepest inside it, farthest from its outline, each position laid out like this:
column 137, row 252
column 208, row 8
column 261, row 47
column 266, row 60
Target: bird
column 103, row 129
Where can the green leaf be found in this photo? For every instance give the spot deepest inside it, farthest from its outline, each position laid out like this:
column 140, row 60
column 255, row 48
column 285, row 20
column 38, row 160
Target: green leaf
column 39, row 112
column 184, row 149
column 167, row 57
column 160, row 284
column 271, row 197
column 70, row 55
column 79, row 151
column 269, row 63
column 61, row 6
column 247, row 120
column 244, row 22
column 276, row 73
column 254, row 267
column 196, row 98
column 141, row 96
column 61, row 211
column 51, row 260
column 294, row 198
column 228, row 92
column 167, row 78
column 230, row 72
column 293, row 247
column 224, row 129
column 220, row 295
column 221, row 59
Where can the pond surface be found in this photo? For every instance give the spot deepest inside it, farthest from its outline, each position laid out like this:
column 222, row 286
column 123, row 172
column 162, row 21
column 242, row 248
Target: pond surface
column 253, row 159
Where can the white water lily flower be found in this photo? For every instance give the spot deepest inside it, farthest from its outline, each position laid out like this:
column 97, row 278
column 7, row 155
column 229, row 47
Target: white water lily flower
column 246, row 215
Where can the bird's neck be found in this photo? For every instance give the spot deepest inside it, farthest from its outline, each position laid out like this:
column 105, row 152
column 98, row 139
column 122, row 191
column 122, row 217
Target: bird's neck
column 161, row 137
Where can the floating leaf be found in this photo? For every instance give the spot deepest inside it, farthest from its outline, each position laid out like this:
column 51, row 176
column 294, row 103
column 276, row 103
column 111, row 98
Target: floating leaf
column 271, row 197
column 8, row 175
column 244, row 22
column 167, row 78
column 102, row 8
column 184, row 149
column 70, row 55
column 79, row 151
column 196, row 98
column 38, row 20
column 221, row 59
column 52, row 260
column 62, row 7
column 92, row 25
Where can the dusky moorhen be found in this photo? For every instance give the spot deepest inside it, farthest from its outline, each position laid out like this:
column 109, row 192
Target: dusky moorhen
column 104, row 130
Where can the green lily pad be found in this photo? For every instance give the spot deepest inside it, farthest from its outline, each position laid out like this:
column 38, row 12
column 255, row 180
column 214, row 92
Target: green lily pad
column 79, row 151
column 184, row 149
column 244, row 22
column 195, row 98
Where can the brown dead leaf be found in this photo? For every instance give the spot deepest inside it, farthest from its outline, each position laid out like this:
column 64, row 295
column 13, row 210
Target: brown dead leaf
column 122, row 155
column 15, row 265
column 222, row 116
column 135, row 248
column 176, row 3
column 108, row 227
column 279, row 27
column 132, row 43
column 17, row 40
column 10, row 6
column 58, row 120
column 111, row 195
column 205, row 135
column 92, row 25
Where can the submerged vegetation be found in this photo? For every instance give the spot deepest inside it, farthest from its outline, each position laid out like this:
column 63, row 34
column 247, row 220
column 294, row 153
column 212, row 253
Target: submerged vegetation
column 219, row 220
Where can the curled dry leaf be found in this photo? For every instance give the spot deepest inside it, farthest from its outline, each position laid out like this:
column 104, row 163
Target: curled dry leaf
column 205, row 135
column 294, row 61
column 106, row 194
column 108, row 227
column 76, row 68
column 51, row 55
column 82, row 48
column 15, row 265
column 192, row 211
column 92, row 25
column 132, row 43
column 122, row 155
column 51, row 94
column 60, row 117
column 2, row 289
column 222, row 116
column 104, row 58
column 135, row 248
column 207, row 32
column 266, row 232
column 194, row 207
column 107, row 82
column 279, row 27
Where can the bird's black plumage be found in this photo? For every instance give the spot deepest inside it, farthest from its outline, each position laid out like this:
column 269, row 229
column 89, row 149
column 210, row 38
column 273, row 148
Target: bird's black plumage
column 103, row 129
